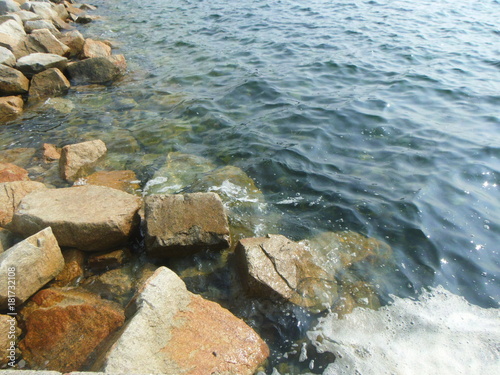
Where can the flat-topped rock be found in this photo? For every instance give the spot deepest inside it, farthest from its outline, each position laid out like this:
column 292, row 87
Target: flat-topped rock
column 90, row 218
column 12, row 81
column 77, row 159
column 173, row 331
column 38, row 62
column 182, row 224
column 36, row 261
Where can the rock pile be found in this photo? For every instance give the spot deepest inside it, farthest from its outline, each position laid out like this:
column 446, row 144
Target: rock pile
column 41, row 54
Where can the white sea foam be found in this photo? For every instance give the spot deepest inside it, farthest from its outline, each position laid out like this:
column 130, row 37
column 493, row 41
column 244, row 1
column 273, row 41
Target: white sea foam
column 440, row 333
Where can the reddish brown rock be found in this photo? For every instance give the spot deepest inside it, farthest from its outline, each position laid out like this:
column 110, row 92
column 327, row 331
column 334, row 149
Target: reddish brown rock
column 49, row 83
column 11, row 193
column 120, row 180
column 108, row 261
column 63, row 327
column 10, row 172
column 94, row 48
column 51, row 153
column 77, row 159
column 74, row 263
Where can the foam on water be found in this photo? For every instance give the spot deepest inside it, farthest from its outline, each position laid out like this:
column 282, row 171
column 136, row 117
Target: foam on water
column 440, row 333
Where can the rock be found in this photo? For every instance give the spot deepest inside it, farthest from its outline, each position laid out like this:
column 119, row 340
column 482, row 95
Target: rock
column 94, row 48
column 8, row 6
column 12, row 81
column 46, row 42
column 120, row 62
column 61, row 105
column 191, row 335
column 10, row 172
column 26, row 15
column 61, row 11
column 355, row 293
column 44, row 10
column 276, row 266
column 32, row 263
column 100, row 70
column 77, row 159
column 11, row 16
column 74, row 40
column 74, row 262
column 120, row 180
column 87, row 7
column 20, row 156
column 9, row 334
column 7, row 57
column 11, row 193
column 108, row 260
column 7, row 239
column 51, row 153
column 17, row 46
column 89, row 218
column 10, row 106
column 38, row 62
column 49, row 83
column 117, row 285
column 33, row 25
column 63, row 327
column 84, row 19
column 178, row 225
column 13, row 29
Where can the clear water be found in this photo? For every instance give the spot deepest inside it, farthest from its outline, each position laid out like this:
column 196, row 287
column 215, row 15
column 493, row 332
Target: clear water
column 380, row 117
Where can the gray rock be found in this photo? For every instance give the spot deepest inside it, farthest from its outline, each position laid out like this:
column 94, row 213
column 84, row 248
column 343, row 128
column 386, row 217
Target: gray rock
column 7, row 57
column 12, row 16
column 26, row 15
column 7, row 239
column 49, row 83
column 77, row 159
column 36, row 260
column 89, row 218
column 100, row 70
column 17, row 46
column 8, row 6
column 46, row 42
column 173, row 331
column 13, row 29
column 44, row 10
column 11, row 193
column 12, row 81
column 178, row 225
column 29, row 26
column 38, row 62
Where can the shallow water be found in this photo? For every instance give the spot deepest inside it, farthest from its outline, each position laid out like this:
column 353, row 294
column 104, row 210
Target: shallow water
column 379, row 117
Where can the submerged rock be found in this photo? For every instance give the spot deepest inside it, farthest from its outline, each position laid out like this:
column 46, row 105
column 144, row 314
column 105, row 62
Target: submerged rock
column 109, row 260
column 74, row 262
column 64, row 326
column 276, row 266
column 116, row 285
column 178, row 225
column 36, row 261
column 100, row 70
column 90, row 218
column 20, row 156
column 192, row 336
column 11, row 172
column 11, row 194
column 77, row 159
column 120, row 180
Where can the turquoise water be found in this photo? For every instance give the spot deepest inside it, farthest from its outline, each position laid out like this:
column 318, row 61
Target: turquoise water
column 380, row 117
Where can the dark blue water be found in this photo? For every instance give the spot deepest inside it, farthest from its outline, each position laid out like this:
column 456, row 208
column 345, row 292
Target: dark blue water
column 380, row 117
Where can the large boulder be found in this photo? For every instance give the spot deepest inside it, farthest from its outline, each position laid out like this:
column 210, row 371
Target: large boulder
column 49, row 83
column 8, row 6
column 40, row 24
column 275, row 266
column 26, row 15
column 45, row 42
column 89, row 218
column 12, row 81
column 13, row 29
column 32, row 263
column 178, row 225
column 11, row 194
column 93, row 48
column 11, row 172
column 7, row 57
column 38, row 62
column 99, row 70
column 10, row 106
column 176, row 332
column 63, row 327
column 78, row 158
column 74, row 40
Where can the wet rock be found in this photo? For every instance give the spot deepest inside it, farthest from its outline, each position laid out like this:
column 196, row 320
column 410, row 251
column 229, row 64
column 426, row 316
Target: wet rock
column 178, row 225
column 276, row 266
column 77, row 159
column 116, row 285
column 34, row 25
column 89, row 218
column 36, row 260
column 61, row 105
column 74, row 40
column 10, row 106
column 109, row 260
column 9, row 335
column 7, row 57
column 94, row 48
column 13, row 29
column 10, row 172
column 46, row 42
column 191, row 335
column 49, row 83
column 20, row 156
column 63, row 327
column 73, row 271
column 120, row 180
column 84, row 19
column 120, row 62
column 38, row 62
column 12, row 81
column 7, row 239
column 355, row 293
column 8, row 6
column 11, row 194
column 100, row 70
column 51, row 153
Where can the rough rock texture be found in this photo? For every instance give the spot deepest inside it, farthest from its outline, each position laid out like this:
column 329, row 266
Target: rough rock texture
column 74, row 40
column 49, row 83
column 11, row 193
column 100, row 70
column 77, row 158
column 40, row 24
column 90, row 218
column 178, row 225
column 74, row 263
column 38, row 62
column 94, row 48
column 277, row 266
column 7, row 57
column 63, row 327
column 37, row 260
column 26, row 15
column 9, row 333
column 8, row 6
column 10, row 172
column 176, row 332
column 46, row 42
column 13, row 29
column 12, row 81
column 120, row 62
column 7, row 239
column 10, row 106
column 108, row 261
column 17, row 46
column 117, row 285
column 121, row 180
column 51, row 153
